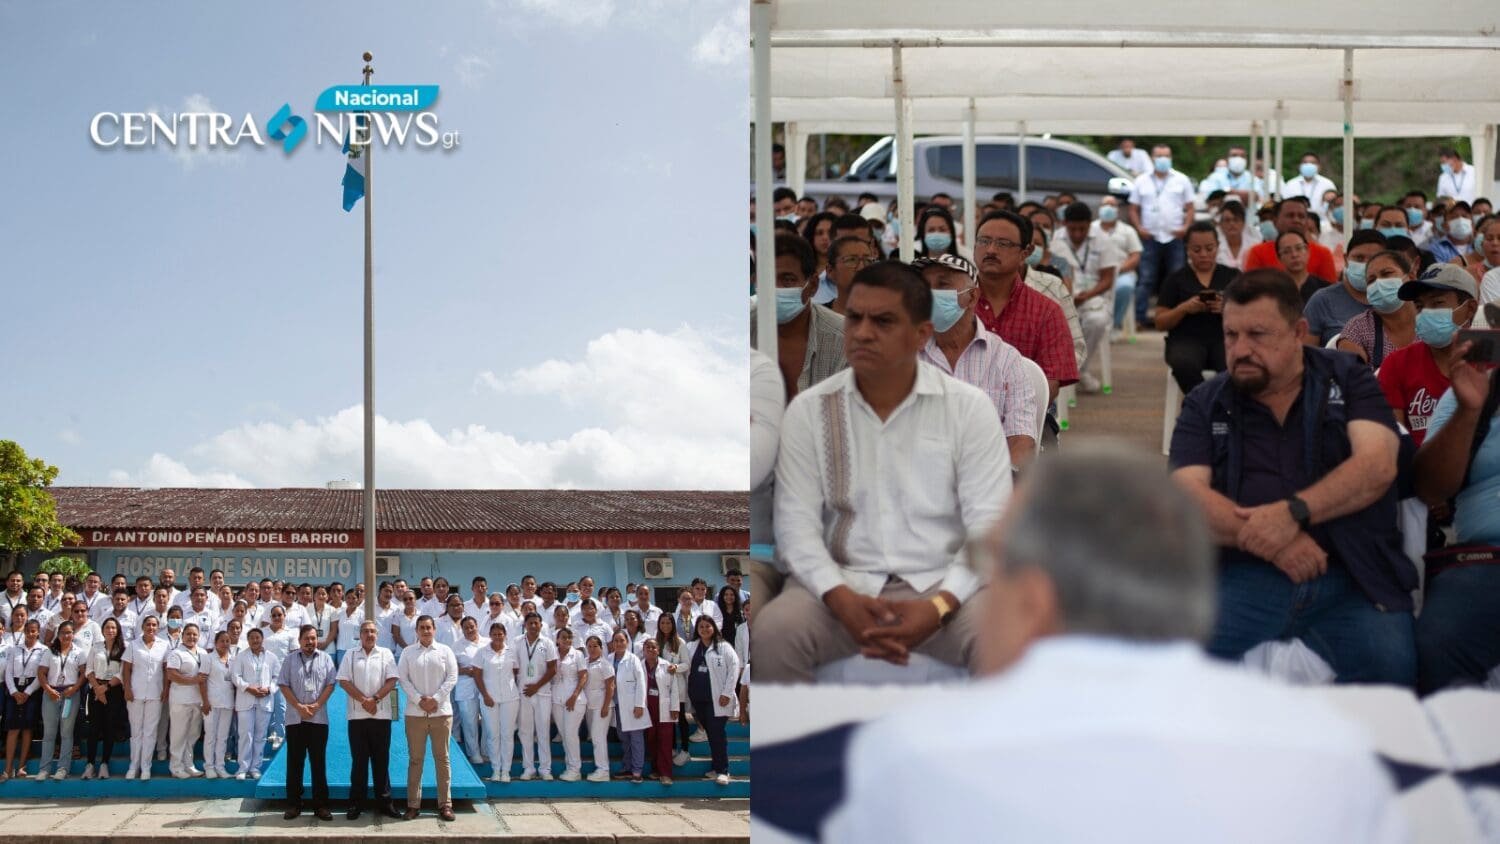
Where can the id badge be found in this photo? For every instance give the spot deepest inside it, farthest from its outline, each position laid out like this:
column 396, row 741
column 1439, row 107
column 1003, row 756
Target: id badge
column 531, row 672
column 310, row 685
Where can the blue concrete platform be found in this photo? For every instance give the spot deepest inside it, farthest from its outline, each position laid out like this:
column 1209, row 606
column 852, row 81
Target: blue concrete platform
column 464, row 784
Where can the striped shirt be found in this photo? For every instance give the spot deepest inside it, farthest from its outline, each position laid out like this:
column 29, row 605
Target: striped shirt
column 994, row 366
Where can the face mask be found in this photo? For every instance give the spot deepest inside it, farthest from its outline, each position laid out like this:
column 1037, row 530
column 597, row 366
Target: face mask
column 790, row 218
column 1034, row 258
column 1382, row 293
column 1354, row 273
column 1221, row 171
column 1338, row 215
column 1460, row 228
column 1163, row 164
column 1414, row 216
column 174, row 623
column 1108, row 214
column 1367, row 223
column 1447, row 169
column 573, row 596
column 1393, row 231
column 788, row 305
column 1267, row 230
column 1435, row 327
column 937, row 241
column 1478, row 240
column 1308, row 170
column 945, row 310
column 752, row 230
column 1236, row 164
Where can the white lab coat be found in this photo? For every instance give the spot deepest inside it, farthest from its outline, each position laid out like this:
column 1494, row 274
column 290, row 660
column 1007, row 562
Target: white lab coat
column 630, row 683
column 667, row 701
column 723, row 673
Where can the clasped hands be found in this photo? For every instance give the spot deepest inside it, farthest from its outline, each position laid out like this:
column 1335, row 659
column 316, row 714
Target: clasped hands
column 1270, row 532
column 882, row 628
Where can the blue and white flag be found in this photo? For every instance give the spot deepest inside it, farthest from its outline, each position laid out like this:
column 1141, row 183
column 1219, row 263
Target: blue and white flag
column 354, row 167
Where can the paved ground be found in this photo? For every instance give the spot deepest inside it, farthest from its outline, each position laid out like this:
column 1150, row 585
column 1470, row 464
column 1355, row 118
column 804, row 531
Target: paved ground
column 211, row 821
column 1133, row 411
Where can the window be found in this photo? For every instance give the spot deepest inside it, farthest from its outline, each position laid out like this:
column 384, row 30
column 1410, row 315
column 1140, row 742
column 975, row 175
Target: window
column 994, row 164
column 1050, row 170
column 879, row 167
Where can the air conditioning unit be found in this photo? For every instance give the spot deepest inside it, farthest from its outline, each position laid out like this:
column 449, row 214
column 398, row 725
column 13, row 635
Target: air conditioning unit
column 658, row 568
column 729, row 562
column 387, row 565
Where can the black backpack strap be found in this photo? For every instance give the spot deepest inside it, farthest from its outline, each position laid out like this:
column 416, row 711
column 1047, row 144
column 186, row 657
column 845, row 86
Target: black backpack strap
column 1377, row 354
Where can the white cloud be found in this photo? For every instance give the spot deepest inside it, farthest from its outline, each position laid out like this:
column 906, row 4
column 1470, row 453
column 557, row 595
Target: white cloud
column 669, row 411
column 190, row 157
column 727, row 43
column 69, row 436
column 471, row 70
column 163, row 471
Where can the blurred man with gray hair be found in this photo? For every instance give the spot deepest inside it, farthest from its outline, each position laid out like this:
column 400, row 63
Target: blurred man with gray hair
column 1103, row 719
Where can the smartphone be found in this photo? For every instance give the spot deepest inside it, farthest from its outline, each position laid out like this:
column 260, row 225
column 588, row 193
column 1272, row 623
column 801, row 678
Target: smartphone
column 1207, row 295
column 1486, row 344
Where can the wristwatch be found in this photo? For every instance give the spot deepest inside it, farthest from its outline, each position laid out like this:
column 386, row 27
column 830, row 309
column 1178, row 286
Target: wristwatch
column 945, row 610
column 1300, row 514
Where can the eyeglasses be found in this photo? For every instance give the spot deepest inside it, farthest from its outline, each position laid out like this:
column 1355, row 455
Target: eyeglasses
column 855, row 261
column 998, row 243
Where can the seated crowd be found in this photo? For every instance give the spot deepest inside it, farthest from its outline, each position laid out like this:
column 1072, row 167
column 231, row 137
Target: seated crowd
column 164, row 669
column 1327, row 391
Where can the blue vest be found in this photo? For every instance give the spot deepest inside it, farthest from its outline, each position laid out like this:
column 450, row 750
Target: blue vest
column 1367, row 542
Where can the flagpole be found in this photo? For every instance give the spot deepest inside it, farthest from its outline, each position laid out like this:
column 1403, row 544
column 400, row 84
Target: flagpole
column 369, row 489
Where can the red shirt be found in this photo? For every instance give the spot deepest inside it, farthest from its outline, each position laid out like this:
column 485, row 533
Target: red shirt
column 1319, row 259
column 1035, row 325
column 1413, row 384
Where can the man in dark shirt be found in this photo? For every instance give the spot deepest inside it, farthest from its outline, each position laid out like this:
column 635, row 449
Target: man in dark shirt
column 1292, row 453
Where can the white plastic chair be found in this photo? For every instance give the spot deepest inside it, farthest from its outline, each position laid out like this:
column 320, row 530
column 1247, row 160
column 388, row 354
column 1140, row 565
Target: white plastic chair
column 1333, row 342
column 1038, row 380
column 1107, row 379
column 1172, row 407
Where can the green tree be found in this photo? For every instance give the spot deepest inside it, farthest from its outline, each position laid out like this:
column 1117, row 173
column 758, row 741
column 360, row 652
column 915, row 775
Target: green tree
column 28, row 513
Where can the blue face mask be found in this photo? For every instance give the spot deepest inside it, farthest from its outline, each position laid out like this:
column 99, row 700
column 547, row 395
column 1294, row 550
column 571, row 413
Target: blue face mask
column 1338, row 215
column 946, row 312
column 937, row 241
column 1162, row 164
column 174, row 623
column 1267, row 230
column 1107, row 214
column 1308, row 170
column 1435, row 327
column 1383, row 294
column 1393, row 231
column 1414, row 216
column 1367, row 223
column 1034, row 258
column 573, row 596
column 1446, row 168
column 1354, row 273
column 1460, row 228
column 789, row 305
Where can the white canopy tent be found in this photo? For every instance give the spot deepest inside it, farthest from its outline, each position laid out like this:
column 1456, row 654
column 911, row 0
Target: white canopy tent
column 1149, row 68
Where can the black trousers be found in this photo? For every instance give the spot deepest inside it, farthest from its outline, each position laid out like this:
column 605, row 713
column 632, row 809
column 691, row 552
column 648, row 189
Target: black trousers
column 104, row 720
column 370, row 745
column 718, row 742
column 307, row 742
column 1188, row 358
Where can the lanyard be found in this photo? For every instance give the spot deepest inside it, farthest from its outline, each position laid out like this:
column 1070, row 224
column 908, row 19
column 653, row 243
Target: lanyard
column 138, row 603
column 1088, row 243
column 26, row 658
column 15, row 603
column 260, row 663
column 531, row 649
column 51, row 602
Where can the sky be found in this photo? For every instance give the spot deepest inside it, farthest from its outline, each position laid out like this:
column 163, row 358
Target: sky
column 559, row 299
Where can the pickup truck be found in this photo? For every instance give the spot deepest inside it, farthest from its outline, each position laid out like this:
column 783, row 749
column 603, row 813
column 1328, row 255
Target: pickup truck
column 1052, row 166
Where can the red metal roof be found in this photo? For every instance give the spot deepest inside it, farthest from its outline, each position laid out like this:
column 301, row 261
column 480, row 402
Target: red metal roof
column 447, row 510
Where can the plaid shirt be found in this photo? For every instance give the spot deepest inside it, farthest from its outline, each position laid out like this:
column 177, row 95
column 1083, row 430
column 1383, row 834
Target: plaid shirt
column 994, row 366
column 825, row 346
column 1035, row 325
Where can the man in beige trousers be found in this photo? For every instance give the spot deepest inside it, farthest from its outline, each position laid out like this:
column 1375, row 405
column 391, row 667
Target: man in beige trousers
column 428, row 672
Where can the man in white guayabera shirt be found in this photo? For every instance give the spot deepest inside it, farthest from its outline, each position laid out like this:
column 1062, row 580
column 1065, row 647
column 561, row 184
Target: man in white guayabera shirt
column 428, row 671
